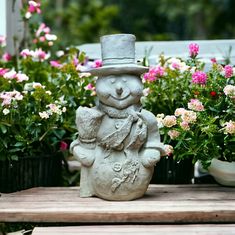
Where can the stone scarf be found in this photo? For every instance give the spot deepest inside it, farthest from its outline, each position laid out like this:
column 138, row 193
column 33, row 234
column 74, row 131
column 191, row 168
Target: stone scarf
column 116, row 138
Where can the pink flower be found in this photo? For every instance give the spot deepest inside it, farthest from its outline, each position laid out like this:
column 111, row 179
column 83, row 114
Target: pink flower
column 20, row 77
column 7, row 97
column 42, row 28
column 213, row 60
column 40, row 55
column 229, row 127
column 228, row 71
column 168, row 149
column 42, row 39
column 195, row 105
column 185, row 126
column 34, row 7
column 173, row 134
column 179, row 111
column 89, row 87
column 25, row 53
column 97, row 64
column 63, row 146
column 199, row 77
column 10, row 75
column 75, row 61
column 6, row 57
column 193, row 49
column 3, row 71
column 154, row 73
column 189, row 116
column 55, row 64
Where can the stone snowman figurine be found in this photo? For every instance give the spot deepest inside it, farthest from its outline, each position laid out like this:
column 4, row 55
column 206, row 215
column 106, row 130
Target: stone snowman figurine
column 118, row 142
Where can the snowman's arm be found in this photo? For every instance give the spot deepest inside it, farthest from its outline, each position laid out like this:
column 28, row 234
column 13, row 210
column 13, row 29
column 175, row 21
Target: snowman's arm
column 153, row 137
column 152, row 149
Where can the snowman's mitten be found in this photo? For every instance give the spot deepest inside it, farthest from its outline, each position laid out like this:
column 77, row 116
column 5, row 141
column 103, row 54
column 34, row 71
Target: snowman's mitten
column 149, row 157
column 84, row 155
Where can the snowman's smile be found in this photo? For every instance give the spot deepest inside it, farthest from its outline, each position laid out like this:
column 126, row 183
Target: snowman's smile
column 120, row 97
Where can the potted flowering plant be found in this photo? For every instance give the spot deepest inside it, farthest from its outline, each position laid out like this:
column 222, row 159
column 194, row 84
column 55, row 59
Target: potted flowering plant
column 39, row 93
column 202, row 126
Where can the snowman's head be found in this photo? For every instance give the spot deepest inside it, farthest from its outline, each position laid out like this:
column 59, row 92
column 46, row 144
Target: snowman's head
column 119, row 91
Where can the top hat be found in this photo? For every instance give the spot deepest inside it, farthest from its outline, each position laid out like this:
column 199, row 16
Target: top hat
column 118, row 56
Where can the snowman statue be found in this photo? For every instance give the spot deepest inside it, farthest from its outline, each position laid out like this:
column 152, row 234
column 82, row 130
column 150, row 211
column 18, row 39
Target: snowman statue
column 118, row 142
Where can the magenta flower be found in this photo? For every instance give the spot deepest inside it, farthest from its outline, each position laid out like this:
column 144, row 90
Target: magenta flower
column 193, row 49
column 3, row 71
column 34, row 7
column 89, row 87
column 228, row 71
column 7, row 57
column 63, row 145
column 199, row 77
column 213, row 60
column 154, row 73
column 55, row 64
column 97, row 64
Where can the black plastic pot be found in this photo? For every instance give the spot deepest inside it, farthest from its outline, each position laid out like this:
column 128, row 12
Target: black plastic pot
column 28, row 172
column 170, row 171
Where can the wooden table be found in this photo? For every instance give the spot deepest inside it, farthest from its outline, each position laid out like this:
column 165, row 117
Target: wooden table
column 162, row 204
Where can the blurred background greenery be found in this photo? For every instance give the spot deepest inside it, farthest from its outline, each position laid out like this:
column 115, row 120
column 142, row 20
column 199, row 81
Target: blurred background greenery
column 84, row 21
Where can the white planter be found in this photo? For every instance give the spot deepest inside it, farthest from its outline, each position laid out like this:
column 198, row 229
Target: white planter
column 223, row 172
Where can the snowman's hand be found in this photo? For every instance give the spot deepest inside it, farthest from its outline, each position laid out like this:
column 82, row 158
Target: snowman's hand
column 149, row 157
column 84, row 155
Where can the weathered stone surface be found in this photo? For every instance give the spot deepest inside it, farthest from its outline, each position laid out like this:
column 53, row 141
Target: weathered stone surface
column 118, row 142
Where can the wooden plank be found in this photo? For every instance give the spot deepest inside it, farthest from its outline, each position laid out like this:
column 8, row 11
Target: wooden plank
column 202, row 229
column 161, row 204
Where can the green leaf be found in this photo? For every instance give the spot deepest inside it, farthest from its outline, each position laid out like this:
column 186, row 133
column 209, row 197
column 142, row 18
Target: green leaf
column 14, row 158
column 3, row 129
column 18, row 144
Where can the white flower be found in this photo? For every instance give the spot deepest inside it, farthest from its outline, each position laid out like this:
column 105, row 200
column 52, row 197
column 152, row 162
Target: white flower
column 59, row 53
column 48, row 92
column 146, row 91
column 229, row 90
column 33, row 3
column 28, row 15
column 44, row 115
column 50, row 37
column 10, row 75
column 5, row 111
column 22, row 77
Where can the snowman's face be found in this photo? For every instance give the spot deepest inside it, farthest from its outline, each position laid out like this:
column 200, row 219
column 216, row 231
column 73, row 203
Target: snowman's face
column 119, row 91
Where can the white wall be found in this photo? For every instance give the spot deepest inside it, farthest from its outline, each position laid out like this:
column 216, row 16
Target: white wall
column 3, row 17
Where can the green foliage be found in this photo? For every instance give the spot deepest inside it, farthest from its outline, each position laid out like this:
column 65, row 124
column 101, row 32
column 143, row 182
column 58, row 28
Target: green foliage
column 83, row 21
column 77, row 22
column 39, row 97
column 196, row 118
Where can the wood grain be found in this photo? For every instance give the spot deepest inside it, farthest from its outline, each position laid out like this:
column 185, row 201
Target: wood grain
column 202, row 229
column 161, row 204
